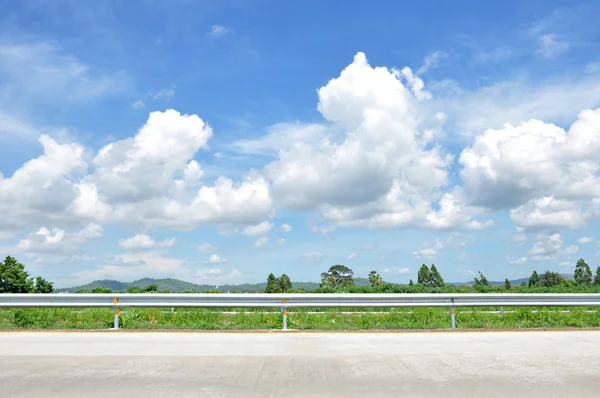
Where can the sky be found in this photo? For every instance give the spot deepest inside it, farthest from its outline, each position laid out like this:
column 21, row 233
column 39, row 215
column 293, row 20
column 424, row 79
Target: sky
column 219, row 141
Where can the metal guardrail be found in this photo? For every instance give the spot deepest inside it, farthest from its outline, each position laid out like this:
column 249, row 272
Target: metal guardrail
column 286, row 301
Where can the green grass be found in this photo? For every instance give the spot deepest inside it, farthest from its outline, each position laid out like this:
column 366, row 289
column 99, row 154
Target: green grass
column 326, row 319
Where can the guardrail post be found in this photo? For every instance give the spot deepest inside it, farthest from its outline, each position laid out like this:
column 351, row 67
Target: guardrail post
column 452, row 315
column 285, row 315
column 501, row 310
column 117, row 313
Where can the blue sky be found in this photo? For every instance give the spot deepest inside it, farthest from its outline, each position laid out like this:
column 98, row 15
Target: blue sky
column 218, row 141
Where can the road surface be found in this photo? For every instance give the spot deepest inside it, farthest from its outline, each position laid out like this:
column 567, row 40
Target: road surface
column 455, row 364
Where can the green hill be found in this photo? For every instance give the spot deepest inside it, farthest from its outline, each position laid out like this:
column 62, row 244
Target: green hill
column 176, row 285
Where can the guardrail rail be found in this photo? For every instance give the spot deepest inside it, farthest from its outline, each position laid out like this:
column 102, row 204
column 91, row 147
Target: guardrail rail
column 287, row 301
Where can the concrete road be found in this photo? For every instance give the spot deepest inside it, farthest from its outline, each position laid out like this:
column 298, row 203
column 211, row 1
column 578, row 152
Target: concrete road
column 457, row 364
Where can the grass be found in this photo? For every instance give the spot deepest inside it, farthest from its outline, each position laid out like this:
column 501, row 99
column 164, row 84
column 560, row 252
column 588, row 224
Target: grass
column 325, row 319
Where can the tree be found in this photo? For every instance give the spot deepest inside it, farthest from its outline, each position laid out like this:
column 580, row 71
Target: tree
column 134, row 289
column 152, row 288
column 507, row 285
column 337, row 276
column 482, row 280
column 375, row 279
column 597, row 277
column 583, row 273
column 436, row 278
column 410, row 283
column 550, row 279
column 101, row 290
column 534, row 279
column 13, row 277
column 424, row 276
column 285, row 283
column 273, row 285
column 42, row 286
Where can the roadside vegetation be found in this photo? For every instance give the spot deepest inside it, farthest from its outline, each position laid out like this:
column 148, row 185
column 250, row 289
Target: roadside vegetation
column 337, row 279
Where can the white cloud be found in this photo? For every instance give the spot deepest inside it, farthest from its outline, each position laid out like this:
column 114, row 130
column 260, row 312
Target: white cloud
column 41, row 192
column 352, row 256
column 372, row 165
column 509, row 167
column 572, row 249
column 150, row 179
column 56, row 240
column 216, row 259
column 218, row 31
column 430, row 61
column 520, row 260
column 426, row 253
column 550, row 47
column 131, row 266
column 396, row 270
column 258, row 229
column 138, row 104
column 215, row 276
column 41, row 72
column 281, row 241
column 12, row 127
column 451, row 242
column 144, row 241
column 205, row 248
column 137, row 177
column 548, row 212
column 166, row 93
column 260, row 242
column 547, row 247
column 313, row 257
column 557, row 99
column 286, row 228
column 586, row 239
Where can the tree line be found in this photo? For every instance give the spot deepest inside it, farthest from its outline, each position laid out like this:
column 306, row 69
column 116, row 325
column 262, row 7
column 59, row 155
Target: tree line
column 341, row 277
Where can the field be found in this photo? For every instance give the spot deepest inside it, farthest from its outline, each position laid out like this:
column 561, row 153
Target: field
column 309, row 319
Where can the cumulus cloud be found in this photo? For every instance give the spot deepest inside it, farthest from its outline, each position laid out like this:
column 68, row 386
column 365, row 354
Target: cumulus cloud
column 57, row 240
column 205, row 248
column 216, row 259
column 286, row 228
column 586, row 239
column 426, row 253
column 144, row 241
column 148, row 179
column 518, row 166
column 351, row 256
column 258, row 229
column 373, row 165
column 547, row 247
column 260, row 242
column 548, row 212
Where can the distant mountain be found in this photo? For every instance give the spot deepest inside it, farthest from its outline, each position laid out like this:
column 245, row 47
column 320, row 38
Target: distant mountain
column 176, row 285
